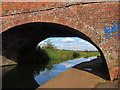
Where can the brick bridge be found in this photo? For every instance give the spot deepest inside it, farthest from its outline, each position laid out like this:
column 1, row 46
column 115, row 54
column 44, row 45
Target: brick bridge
column 25, row 24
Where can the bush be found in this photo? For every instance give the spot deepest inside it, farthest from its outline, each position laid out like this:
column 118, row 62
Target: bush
column 75, row 55
column 86, row 51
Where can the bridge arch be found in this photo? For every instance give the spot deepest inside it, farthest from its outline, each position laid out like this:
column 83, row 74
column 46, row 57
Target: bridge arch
column 25, row 37
column 90, row 19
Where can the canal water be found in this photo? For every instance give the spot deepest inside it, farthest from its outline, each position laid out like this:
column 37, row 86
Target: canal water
column 46, row 75
column 32, row 76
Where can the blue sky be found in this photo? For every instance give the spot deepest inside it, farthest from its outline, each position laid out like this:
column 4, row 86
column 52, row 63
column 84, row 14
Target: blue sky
column 69, row 43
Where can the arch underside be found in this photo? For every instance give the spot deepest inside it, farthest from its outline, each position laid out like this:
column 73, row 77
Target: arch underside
column 24, row 38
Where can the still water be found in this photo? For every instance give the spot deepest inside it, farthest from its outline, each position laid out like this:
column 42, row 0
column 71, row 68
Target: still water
column 46, row 75
column 33, row 75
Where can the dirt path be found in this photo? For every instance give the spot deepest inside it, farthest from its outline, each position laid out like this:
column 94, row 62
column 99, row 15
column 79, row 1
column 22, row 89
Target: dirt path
column 74, row 78
column 77, row 77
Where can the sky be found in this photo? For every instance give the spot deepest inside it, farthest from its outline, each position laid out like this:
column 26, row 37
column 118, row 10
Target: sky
column 69, row 43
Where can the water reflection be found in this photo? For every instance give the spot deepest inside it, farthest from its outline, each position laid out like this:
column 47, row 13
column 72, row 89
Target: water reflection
column 88, row 69
column 46, row 75
column 95, row 66
column 67, row 64
column 34, row 75
column 22, row 76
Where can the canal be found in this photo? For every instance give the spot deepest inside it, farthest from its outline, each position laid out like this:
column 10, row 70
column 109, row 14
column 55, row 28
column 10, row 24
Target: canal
column 34, row 75
column 46, row 75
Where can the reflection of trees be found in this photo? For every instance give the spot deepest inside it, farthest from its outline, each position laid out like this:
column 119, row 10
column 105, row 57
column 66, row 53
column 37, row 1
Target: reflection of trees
column 49, row 68
column 86, row 57
column 22, row 76
column 30, row 65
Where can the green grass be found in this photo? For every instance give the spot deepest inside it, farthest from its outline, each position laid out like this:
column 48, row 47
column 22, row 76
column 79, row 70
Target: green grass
column 58, row 56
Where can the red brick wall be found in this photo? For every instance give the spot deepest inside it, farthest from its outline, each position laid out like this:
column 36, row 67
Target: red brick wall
column 88, row 18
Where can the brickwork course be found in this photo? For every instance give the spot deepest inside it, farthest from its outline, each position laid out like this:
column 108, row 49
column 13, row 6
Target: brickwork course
column 88, row 18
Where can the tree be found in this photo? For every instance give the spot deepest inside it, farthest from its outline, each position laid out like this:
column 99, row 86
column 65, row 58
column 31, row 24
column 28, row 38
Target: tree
column 75, row 55
column 48, row 45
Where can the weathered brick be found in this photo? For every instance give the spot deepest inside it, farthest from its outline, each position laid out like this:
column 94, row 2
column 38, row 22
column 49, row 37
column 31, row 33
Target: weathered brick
column 89, row 19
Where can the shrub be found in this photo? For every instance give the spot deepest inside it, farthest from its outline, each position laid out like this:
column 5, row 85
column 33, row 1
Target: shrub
column 75, row 55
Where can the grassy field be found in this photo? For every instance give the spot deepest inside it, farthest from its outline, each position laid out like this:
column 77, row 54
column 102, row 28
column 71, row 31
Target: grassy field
column 57, row 56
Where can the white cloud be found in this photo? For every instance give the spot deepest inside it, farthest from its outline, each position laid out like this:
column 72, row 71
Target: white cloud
column 67, row 64
column 70, row 43
column 67, row 39
column 71, row 46
column 54, row 40
column 88, row 43
column 61, row 46
column 41, row 43
column 81, row 41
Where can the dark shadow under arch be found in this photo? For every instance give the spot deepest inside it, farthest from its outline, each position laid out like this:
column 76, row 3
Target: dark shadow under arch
column 26, row 37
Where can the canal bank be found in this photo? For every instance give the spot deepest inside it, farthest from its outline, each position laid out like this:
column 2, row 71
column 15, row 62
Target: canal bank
column 90, row 74
column 6, row 62
column 74, row 78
